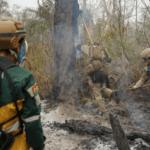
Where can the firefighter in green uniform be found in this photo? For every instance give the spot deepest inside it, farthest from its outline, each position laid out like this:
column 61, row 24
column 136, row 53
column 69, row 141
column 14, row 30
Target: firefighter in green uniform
column 20, row 126
column 146, row 74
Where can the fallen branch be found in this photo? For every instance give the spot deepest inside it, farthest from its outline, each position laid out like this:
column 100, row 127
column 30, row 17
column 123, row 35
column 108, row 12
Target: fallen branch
column 135, row 135
column 83, row 127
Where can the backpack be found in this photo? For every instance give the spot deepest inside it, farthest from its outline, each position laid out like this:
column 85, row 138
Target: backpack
column 4, row 65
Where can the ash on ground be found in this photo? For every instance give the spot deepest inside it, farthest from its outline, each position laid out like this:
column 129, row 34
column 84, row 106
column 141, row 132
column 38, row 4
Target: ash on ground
column 92, row 112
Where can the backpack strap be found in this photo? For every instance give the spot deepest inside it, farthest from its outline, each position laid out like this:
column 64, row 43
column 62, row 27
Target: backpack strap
column 4, row 65
column 0, row 79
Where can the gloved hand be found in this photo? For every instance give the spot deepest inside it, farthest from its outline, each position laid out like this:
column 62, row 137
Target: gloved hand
column 134, row 87
column 137, row 85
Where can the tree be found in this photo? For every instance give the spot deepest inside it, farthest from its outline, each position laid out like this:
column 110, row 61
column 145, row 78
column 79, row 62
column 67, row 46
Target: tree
column 38, row 22
column 17, row 13
column 4, row 9
column 65, row 83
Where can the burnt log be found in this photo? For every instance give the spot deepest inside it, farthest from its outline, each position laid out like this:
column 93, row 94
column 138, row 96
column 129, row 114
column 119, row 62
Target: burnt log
column 86, row 128
column 118, row 133
column 136, row 134
column 83, row 127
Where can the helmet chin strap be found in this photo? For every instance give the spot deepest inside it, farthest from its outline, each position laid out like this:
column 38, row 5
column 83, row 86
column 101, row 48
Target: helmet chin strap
column 22, row 65
column 15, row 55
column 19, row 60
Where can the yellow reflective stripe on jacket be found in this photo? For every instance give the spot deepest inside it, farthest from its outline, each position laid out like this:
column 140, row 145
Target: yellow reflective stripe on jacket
column 13, row 127
column 30, row 119
column 15, row 132
column 7, row 112
column 8, row 124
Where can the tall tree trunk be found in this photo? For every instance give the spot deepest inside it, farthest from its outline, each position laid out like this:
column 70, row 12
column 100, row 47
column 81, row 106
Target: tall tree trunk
column 114, row 7
column 85, row 36
column 84, row 4
column 136, row 20
column 114, row 13
column 65, row 83
column 123, row 21
column 106, row 9
column 100, row 39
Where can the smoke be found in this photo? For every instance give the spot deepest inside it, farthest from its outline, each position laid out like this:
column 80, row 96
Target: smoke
column 137, row 116
column 139, row 119
column 66, row 81
column 84, row 15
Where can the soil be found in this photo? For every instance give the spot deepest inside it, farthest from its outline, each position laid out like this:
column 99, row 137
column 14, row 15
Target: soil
column 94, row 111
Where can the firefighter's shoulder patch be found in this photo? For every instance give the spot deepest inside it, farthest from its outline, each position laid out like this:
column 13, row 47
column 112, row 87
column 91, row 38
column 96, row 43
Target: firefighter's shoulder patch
column 34, row 92
column 35, row 89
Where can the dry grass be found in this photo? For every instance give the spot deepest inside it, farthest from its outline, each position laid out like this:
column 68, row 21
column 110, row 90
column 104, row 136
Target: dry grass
column 41, row 58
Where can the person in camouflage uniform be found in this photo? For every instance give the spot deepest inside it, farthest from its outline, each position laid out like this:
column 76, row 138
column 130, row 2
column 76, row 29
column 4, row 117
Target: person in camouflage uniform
column 99, row 73
column 146, row 74
column 99, row 70
column 20, row 125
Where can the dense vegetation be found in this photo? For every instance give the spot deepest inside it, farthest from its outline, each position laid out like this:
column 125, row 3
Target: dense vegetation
column 115, row 24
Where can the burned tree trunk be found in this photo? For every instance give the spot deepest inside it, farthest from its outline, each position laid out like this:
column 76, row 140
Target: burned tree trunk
column 65, row 84
column 118, row 133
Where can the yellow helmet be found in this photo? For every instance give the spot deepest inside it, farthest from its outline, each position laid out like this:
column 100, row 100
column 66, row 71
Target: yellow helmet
column 11, row 32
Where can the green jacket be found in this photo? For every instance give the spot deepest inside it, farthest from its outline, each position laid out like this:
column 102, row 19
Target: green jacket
column 26, row 92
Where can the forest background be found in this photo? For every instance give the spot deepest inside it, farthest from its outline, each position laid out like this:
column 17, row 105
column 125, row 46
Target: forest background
column 122, row 27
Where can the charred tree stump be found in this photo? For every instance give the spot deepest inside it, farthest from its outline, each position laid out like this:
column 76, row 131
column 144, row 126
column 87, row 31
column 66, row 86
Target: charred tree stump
column 118, row 133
